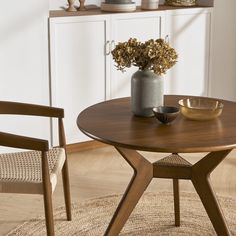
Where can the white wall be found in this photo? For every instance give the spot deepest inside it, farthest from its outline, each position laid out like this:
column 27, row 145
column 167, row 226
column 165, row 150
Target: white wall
column 24, row 50
column 24, row 62
column 223, row 79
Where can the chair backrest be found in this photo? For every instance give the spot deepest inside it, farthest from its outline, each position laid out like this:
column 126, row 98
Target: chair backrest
column 17, row 108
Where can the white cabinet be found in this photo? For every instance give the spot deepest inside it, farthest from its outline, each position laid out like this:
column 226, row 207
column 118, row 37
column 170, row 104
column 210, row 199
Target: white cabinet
column 78, row 67
column 142, row 26
column 83, row 71
column 24, row 63
column 189, row 33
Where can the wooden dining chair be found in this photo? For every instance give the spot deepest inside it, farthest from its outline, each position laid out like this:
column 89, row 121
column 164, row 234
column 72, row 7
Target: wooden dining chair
column 35, row 171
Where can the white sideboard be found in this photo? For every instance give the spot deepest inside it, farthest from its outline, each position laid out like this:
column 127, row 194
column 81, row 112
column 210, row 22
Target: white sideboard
column 82, row 69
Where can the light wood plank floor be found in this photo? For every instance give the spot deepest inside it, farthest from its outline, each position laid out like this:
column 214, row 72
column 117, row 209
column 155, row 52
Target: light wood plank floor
column 100, row 172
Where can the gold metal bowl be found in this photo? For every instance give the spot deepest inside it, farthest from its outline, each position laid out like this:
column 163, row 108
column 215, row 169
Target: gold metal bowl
column 200, row 108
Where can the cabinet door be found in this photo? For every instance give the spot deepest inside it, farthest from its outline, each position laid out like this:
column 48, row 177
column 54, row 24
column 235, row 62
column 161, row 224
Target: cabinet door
column 78, row 67
column 24, row 64
column 189, row 34
column 143, row 26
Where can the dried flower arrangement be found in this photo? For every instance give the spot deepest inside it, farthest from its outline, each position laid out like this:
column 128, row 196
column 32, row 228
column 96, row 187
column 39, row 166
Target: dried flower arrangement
column 155, row 55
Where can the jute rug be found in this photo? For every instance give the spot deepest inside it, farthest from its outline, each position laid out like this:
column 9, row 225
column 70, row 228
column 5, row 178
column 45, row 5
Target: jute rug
column 154, row 215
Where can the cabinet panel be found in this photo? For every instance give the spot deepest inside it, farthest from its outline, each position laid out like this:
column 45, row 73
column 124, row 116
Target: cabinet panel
column 189, row 34
column 141, row 26
column 78, row 68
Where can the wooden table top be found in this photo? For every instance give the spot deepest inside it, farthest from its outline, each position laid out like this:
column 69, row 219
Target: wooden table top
column 112, row 122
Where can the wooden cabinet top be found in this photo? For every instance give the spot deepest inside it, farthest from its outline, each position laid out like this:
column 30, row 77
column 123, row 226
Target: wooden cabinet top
column 94, row 10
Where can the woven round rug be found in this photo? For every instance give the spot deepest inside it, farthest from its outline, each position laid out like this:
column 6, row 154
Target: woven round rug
column 154, row 215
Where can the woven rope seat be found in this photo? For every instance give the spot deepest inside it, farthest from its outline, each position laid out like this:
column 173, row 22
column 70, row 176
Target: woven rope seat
column 173, row 160
column 21, row 172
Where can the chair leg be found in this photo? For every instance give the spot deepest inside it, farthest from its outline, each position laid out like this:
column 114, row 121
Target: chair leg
column 176, row 202
column 47, row 196
column 48, row 212
column 66, row 188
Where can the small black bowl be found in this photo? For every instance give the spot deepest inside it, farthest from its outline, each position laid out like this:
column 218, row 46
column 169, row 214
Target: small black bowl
column 165, row 114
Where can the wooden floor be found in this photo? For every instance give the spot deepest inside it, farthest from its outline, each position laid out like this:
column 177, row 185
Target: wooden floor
column 100, row 172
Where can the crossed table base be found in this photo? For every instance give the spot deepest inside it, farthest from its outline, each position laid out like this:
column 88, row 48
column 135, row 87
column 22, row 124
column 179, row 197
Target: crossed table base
column 113, row 123
column 173, row 167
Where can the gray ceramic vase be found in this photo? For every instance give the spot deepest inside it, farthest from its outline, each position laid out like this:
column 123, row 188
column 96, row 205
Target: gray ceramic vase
column 146, row 92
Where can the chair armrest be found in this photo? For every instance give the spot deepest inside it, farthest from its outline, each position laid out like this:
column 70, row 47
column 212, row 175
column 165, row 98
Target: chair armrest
column 16, row 141
column 17, row 108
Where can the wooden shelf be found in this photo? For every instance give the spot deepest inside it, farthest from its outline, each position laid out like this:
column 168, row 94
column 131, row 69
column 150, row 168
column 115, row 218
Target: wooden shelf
column 94, row 10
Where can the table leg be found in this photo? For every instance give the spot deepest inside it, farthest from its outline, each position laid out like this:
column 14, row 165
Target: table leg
column 143, row 174
column 201, row 181
column 176, row 202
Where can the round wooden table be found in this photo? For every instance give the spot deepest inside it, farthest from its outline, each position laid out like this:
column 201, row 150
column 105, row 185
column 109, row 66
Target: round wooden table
column 112, row 122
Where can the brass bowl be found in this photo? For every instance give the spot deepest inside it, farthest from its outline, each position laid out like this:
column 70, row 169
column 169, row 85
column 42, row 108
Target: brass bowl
column 200, row 108
column 165, row 114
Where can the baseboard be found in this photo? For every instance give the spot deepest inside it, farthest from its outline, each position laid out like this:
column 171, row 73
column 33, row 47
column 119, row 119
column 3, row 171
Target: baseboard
column 83, row 146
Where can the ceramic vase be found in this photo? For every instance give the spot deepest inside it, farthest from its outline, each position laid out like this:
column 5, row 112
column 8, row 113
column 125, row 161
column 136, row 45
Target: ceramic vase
column 82, row 7
column 71, row 5
column 146, row 92
column 149, row 4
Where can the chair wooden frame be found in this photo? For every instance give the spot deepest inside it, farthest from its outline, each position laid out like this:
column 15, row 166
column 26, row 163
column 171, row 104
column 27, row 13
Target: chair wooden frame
column 16, row 141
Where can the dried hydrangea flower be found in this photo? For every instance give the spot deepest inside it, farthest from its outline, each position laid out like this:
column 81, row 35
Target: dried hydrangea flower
column 155, row 55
